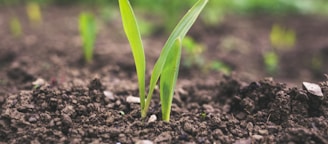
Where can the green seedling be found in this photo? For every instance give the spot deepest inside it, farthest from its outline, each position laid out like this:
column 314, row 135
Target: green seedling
column 193, row 52
column 203, row 115
column 282, row 38
column 88, row 31
column 34, row 13
column 271, row 61
column 194, row 57
column 220, row 66
column 15, row 27
column 317, row 62
column 167, row 65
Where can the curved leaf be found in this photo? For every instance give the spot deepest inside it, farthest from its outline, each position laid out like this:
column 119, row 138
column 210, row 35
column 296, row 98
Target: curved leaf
column 132, row 32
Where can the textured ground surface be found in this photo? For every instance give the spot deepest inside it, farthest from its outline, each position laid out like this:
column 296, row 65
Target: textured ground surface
column 70, row 105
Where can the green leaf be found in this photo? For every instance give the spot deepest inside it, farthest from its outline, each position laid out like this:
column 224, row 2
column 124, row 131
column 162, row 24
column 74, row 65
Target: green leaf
column 88, row 31
column 168, row 79
column 133, row 34
column 179, row 32
column 271, row 61
column 15, row 27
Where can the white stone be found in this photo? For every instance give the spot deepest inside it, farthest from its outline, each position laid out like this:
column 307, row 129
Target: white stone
column 257, row 137
column 109, row 95
column 39, row 82
column 152, row 118
column 313, row 89
column 132, row 99
column 264, row 132
column 144, row 142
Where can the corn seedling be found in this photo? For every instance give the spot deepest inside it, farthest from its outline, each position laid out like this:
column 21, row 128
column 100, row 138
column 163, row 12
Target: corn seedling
column 317, row 63
column 34, row 13
column 193, row 52
column 88, row 31
column 271, row 61
column 15, row 27
column 167, row 65
column 194, row 57
column 282, row 38
column 220, row 66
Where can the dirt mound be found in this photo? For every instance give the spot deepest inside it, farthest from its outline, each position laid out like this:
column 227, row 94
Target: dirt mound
column 226, row 112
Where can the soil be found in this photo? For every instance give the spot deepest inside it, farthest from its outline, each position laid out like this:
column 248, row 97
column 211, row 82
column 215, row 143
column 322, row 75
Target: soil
column 49, row 95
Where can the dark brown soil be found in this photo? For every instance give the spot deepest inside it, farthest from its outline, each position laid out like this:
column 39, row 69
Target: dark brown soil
column 86, row 103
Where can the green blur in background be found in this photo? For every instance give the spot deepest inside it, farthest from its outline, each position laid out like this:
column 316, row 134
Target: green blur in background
column 172, row 10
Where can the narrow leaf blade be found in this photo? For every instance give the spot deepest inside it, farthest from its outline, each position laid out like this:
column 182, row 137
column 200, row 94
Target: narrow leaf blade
column 133, row 34
column 88, row 30
column 179, row 32
column 169, row 78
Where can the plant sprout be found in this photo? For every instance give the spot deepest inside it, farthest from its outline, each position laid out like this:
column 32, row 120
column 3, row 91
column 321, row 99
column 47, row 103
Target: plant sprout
column 271, row 61
column 193, row 52
column 194, row 57
column 167, row 65
column 34, row 13
column 15, row 27
column 220, row 66
column 88, row 31
column 282, row 38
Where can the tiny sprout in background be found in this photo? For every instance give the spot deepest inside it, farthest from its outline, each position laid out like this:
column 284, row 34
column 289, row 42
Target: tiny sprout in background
column 15, row 27
column 282, row 38
column 317, row 63
column 220, row 66
column 203, row 115
column 193, row 52
column 271, row 61
column 88, row 32
column 194, row 57
column 34, row 13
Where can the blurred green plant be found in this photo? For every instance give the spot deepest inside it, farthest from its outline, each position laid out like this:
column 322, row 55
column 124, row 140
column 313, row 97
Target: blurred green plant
column 267, row 6
column 15, row 27
column 282, row 38
column 193, row 52
column 34, row 13
column 317, row 63
column 167, row 65
column 108, row 13
column 220, row 66
column 88, row 32
column 212, row 14
column 193, row 57
column 203, row 115
column 271, row 61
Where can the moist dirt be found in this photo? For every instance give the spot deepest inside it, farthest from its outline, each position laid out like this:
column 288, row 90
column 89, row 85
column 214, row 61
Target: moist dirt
column 49, row 95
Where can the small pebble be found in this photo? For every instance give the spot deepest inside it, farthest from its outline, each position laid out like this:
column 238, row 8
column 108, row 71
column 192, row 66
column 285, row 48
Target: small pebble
column 244, row 141
column 39, row 82
column 257, row 137
column 152, row 118
column 263, row 132
column 313, row 88
column 32, row 119
column 67, row 119
column 132, row 99
column 109, row 95
column 144, row 142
